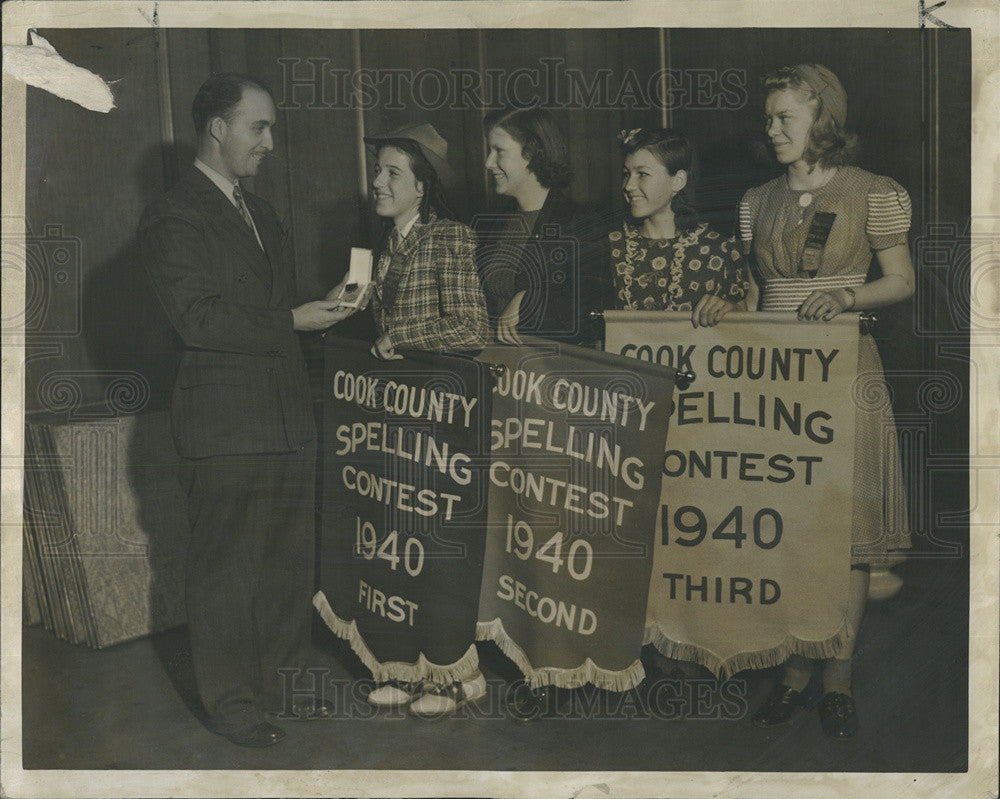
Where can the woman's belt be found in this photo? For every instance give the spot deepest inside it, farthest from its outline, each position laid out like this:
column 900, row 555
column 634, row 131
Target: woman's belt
column 788, row 293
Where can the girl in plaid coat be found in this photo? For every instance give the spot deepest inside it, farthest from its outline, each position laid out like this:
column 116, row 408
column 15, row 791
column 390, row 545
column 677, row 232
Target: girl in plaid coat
column 426, row 297
column 427, row 294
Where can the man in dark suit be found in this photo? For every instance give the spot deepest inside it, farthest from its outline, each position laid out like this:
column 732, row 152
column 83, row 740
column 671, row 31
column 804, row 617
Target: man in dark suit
column 242, row 417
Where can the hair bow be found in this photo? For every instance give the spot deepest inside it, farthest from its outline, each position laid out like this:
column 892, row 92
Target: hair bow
column 625, row 136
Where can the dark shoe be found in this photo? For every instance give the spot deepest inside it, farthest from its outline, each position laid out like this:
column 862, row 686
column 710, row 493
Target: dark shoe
column 304, row 711
column 838, row 716
column 660, row 667
column 670, row 672
column 779, row 707
column 529, row 704
column 264, row 734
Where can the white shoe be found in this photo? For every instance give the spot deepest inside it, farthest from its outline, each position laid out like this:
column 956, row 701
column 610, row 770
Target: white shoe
column 884, row 584
column 442, row 700
column 395, row 694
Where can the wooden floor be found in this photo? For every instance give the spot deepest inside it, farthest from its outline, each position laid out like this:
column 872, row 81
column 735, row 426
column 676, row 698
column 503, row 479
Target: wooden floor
column 130, row 707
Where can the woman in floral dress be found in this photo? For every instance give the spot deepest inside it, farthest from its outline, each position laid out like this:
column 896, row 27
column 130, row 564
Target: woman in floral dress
column 661, row 260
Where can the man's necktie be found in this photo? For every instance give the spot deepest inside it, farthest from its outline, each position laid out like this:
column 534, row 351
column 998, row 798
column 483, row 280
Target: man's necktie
column 391, row 246
column 242, row 206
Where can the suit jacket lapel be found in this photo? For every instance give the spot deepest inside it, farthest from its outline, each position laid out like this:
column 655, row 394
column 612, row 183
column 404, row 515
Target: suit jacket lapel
column 397, row 266
column 233, row 227
column 271, row 237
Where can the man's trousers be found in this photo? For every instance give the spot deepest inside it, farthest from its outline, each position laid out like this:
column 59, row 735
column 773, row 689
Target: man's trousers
column 249, row 580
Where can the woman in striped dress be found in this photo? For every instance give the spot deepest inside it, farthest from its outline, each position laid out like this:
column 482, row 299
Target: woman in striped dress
column 811, row 234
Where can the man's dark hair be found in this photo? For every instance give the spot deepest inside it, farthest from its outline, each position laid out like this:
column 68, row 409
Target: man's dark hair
column 219, row 95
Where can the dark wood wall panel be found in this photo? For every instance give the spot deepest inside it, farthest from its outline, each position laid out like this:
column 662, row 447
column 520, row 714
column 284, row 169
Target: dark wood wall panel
column 189, row 58
column 312, row 176
column 89, row 175
column 227, row 50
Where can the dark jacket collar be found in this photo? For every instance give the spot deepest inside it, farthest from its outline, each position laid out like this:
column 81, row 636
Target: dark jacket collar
column 228, row 222
column 556, row 208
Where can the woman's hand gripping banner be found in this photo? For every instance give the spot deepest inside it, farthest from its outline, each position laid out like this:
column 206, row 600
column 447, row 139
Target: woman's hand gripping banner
column 753, row 542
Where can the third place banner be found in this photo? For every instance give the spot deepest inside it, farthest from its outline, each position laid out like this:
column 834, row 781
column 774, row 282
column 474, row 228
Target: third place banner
column 752, row 552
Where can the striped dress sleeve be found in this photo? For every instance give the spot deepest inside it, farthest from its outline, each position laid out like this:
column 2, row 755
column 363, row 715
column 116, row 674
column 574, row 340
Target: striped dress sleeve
column 747, row 212
column 888, row 214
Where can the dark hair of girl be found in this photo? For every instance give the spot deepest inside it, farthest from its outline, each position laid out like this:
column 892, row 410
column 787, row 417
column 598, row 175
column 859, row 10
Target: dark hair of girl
column 829, row 144
column 543, row 144
column 675, row 153
column 433, row 200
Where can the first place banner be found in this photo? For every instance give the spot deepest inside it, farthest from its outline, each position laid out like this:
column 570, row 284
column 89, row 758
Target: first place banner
column 403, row 509
column 753, row 542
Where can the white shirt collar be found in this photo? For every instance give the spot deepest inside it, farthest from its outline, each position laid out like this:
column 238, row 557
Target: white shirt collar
column 404, row 231
column 225, row 185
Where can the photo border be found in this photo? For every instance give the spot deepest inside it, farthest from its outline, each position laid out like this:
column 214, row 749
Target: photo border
column 980, row 780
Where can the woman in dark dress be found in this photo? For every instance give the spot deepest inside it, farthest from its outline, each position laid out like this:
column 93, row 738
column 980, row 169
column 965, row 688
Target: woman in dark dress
column 535, row 257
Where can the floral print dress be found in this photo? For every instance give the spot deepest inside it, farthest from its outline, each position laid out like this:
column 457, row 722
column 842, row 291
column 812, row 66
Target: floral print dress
column 673, row 274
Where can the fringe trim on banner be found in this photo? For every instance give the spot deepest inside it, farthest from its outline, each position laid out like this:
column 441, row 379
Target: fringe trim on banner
column 586, row 672
column 422, row 669
column 762, row 659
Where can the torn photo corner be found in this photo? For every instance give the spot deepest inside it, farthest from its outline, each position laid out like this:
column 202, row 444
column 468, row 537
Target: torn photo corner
column 38, row 64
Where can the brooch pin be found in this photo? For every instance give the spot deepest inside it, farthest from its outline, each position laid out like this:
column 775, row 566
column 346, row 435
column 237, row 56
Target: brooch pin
column 805, row 200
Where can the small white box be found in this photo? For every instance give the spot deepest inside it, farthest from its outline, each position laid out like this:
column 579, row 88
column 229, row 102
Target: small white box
column 360, row 271
column 359, row 276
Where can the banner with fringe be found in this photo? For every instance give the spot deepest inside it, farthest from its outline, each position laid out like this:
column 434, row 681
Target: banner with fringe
column 404, row 510
column 577, row 442
column 753, row 540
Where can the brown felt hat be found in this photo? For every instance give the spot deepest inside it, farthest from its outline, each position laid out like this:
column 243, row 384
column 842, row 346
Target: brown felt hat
column 430, row 142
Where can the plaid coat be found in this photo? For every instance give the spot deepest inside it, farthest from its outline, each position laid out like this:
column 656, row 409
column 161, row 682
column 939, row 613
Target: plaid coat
column 430, row 297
